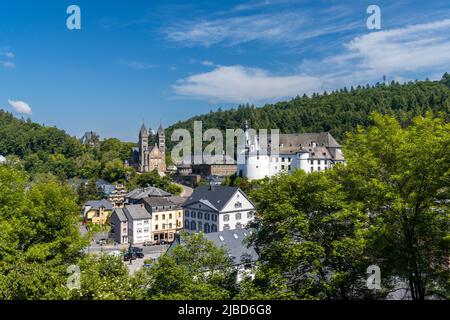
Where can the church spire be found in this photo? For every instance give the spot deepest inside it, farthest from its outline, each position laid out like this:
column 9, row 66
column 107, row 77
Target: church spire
column 143, row 132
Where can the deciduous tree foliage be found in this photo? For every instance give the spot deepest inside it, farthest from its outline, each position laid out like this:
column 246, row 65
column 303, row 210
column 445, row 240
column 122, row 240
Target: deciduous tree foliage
column 402, row 177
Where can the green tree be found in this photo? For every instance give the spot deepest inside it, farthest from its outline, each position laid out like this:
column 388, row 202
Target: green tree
column 310, row 238
column 402, row 176
column 195, row 270
column 40, row 236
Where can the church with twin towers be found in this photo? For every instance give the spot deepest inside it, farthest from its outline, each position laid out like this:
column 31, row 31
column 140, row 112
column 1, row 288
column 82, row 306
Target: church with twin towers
column 148, row 157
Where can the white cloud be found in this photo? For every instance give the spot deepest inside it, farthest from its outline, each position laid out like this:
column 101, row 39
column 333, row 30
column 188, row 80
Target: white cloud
column 20, row 106
column 288, row 27
column 8, row 64
column 415, row 47
column 6, row 59
column 400, row 54
column 137, row 65
column 240, row 84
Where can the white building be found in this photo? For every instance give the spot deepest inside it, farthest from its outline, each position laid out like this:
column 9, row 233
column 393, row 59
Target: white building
column 131, row 224
column 217, row 208
column 307, row 151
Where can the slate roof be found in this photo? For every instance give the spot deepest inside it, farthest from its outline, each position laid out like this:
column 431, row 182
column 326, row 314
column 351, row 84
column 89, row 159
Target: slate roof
column 120, row 215
column 160, row 202
column 217, row 196
column 324, row 139
column 141, row 193
column 97, row 204
column 234, row 241
column 136, row 212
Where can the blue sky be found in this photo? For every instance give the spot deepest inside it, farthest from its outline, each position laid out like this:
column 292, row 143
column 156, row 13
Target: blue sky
column 164, row 61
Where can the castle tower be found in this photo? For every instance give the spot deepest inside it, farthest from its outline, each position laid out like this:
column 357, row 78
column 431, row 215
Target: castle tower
column 143, row 149
column 257, row 163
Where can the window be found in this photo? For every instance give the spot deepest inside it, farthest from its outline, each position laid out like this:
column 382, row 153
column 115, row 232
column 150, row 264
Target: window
column 156, row 217
column 289, row 167
column 238, row 225
column 312, row 169
column 186, row 213
column 164, row 217
column 145, row 221
column 238, row 205
column 249, row 215
column 199, row 226
column 145, row 229
column 170, row 225
column 214, row 217
column 170, row 216
column 207, row 216
column 226, row 217
column 200, row 215
column 319, row 162
column 238, row 216
column 193, row 226
column 289, row 159
column 282, row 159
column 282, row 167
column 186, row 224
column 213, row 228
column 156, row 227
column 226, row 227
column 139, row 230
column 207, row 228
column 193, row 215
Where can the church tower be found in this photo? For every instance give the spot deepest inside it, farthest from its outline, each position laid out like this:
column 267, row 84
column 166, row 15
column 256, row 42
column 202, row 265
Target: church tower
column 143, row 149
column 161, row 138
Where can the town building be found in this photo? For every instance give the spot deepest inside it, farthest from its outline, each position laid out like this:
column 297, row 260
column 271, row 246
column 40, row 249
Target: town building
column 217, row 208
column 146, row 158
column 243, row 256
column 131, row 224
column 309, row 152
column 98, row 211
column 167, row 216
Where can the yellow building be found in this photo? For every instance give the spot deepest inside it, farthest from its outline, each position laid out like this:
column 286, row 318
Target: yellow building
column 167, row 216
column 98, row 211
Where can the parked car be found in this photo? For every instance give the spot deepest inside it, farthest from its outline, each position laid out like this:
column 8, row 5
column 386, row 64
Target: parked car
column 129, row 256
column 148, row 243
column 101, row 241
column 137, row 251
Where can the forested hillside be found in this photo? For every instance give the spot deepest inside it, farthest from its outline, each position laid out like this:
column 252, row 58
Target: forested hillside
column 337, row 112
column 44, row 149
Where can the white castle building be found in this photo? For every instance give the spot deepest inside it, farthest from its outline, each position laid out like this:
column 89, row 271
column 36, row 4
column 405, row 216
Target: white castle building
column 307, row 151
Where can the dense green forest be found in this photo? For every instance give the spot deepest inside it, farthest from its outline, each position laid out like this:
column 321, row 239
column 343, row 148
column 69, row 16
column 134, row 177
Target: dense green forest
column 336, row 112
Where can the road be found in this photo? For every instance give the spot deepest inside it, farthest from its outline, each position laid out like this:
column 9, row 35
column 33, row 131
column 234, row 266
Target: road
column 187, row 191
